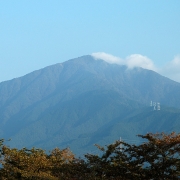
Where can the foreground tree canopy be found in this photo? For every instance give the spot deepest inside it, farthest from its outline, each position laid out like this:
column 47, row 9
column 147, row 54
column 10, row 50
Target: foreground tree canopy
column 157, row 158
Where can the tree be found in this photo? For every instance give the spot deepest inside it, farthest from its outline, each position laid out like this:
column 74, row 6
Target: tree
column 33, row 163
column 157, row 158
column 26, row 164
column 61, row 161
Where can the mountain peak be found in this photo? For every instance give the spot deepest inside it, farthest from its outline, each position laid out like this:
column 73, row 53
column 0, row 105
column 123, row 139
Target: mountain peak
column 59, row 104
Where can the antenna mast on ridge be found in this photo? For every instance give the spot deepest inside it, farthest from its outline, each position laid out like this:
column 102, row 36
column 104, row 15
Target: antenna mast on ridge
column 156, row 106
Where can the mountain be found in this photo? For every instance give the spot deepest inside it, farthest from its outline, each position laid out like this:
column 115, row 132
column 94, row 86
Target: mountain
column 85, row 101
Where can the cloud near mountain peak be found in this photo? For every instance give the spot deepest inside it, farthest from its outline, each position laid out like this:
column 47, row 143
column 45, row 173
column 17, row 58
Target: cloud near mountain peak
column 170, row 69
column 132, row 61
column 108, row 58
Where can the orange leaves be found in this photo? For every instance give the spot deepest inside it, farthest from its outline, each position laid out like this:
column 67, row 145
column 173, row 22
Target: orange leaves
column 157, row 158
column 62, row 156
column 25, row 163
column 33, row 163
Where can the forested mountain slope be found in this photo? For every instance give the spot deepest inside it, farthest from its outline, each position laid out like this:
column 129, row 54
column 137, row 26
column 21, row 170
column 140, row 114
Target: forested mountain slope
column 84, row 101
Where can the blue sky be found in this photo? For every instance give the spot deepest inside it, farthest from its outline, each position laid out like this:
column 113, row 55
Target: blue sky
column 38, row 33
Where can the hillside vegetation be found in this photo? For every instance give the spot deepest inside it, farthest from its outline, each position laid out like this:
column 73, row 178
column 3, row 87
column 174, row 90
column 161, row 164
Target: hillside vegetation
column 85, row 101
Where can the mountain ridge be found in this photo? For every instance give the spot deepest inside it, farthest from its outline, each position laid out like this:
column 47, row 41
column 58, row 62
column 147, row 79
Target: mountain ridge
column 70, row 103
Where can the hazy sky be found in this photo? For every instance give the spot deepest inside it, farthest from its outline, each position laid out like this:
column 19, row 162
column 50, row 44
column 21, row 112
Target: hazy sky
column 38, row 33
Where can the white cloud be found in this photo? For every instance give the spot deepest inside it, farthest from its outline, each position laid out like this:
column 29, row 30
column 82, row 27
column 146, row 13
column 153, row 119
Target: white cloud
column 172, row 69
column 137, row 60
column 108, row 58
column 134, row 60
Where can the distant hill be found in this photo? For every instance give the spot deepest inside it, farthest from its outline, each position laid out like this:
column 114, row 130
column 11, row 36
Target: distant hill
column 85, row 101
